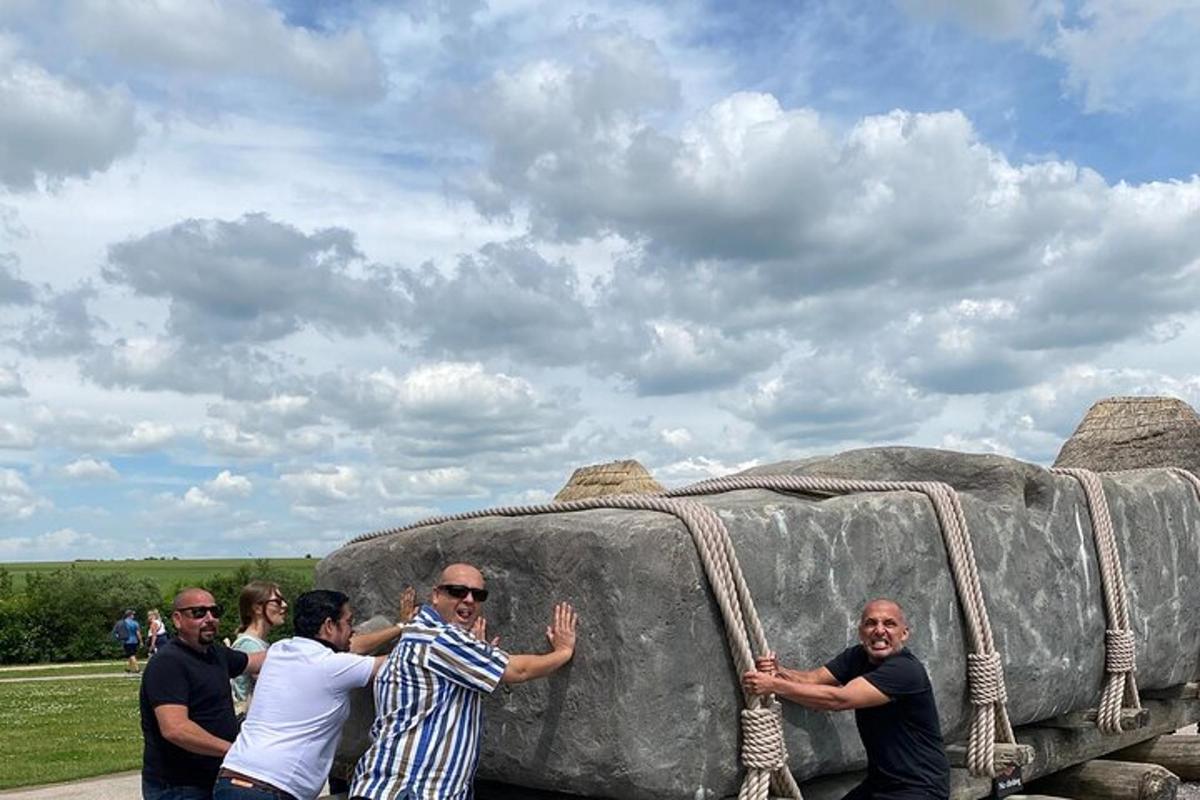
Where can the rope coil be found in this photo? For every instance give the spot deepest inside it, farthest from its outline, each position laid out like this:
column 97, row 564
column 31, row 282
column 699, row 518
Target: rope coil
column 1120, row 686
column 763, row 746
column 985, row 679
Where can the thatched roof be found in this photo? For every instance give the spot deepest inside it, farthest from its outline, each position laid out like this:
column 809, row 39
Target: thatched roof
column 615, row 477
column 1132, row 432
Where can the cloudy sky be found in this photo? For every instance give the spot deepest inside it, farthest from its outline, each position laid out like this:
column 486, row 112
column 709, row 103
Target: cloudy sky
column 276, row 274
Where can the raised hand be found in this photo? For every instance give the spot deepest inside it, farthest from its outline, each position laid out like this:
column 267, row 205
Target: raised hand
column 561, row 631
column 408, row 605
column 479, row 631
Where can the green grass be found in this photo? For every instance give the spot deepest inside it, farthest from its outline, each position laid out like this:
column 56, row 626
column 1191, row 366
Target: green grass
column 53, row 731
column 167, row 572
column 38, row 671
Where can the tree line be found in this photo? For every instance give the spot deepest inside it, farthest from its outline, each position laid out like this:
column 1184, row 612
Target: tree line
column 68, row 614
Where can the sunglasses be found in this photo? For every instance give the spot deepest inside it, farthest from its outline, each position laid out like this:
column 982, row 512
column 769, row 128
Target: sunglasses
column 199, row 612
column 458, row 591
column 279, row 601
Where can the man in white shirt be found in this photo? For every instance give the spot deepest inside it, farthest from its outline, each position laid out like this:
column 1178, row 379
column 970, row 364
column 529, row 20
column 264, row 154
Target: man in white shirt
column 287, row 743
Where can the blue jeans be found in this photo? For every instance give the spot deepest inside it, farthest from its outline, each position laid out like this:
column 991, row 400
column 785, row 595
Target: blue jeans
column 154, row 789
column 226, row 789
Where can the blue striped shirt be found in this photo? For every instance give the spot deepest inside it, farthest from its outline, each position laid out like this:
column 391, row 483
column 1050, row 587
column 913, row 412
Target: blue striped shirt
column 428, row 713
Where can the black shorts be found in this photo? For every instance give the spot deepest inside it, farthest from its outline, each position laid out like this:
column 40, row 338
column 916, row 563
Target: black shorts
column 131, row 648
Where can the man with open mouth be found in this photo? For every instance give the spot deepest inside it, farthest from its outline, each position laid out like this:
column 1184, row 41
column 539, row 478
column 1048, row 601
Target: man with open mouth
column 893, row 703
column 428, row 710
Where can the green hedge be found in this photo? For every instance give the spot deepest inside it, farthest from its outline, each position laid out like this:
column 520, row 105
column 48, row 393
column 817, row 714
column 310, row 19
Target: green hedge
column 68, row 614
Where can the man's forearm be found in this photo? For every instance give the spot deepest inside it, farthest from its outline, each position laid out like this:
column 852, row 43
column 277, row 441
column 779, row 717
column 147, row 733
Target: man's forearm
column 194, row 739
column 528, row 667
column 810, row 694
column 364, row 643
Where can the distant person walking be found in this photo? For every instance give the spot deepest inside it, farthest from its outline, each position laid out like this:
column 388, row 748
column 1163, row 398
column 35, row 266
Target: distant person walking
column 260, row 608
column 156, row 632
column 129, row 634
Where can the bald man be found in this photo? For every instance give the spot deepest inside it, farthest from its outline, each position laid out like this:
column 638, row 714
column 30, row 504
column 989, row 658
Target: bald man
column 428, row 714
column 892, row 698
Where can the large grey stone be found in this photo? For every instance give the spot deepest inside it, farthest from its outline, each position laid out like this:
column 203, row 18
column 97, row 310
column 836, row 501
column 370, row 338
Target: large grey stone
column 648, row 708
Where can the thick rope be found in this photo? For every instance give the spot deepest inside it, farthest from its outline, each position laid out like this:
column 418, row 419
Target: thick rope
column 763, row 752
column 985, row 680
column 1120, row 686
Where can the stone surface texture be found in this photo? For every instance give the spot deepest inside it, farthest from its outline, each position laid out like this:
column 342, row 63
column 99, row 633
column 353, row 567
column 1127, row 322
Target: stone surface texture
column 648, row 709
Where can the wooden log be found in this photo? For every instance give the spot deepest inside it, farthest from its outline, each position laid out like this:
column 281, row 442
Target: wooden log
column 1179, row 753
column 1131, row 719
column 1006, row 755
column 1111, row 780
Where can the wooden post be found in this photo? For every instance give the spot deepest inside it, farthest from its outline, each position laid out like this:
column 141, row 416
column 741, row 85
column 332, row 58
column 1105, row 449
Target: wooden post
column 1179, row 753
column 1111, row 780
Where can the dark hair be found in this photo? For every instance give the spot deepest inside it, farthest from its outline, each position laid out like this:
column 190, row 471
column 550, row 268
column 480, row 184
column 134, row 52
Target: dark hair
column 313, row 608
column 254, row 594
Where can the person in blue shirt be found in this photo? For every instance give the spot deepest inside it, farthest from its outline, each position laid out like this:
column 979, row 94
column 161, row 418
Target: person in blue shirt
column 131, row 641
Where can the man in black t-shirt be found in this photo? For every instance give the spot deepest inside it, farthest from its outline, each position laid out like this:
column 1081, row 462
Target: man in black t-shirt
column 186, row 706
column 893, row 704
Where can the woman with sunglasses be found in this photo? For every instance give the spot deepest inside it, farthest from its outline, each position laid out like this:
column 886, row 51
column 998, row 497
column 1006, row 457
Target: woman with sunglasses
column 260, row 607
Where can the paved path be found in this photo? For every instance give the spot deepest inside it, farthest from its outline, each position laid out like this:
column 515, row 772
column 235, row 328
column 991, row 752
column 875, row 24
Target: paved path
column 122, row 786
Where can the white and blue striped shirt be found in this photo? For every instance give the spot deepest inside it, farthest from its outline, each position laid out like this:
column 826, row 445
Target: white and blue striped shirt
column 428, row 713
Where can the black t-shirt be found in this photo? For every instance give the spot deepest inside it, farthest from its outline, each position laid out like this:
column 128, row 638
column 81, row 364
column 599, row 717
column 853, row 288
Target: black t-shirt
column 179, row 675
column 903, row 739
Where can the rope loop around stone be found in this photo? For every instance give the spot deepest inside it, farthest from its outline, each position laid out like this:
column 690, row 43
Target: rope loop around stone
column 763, row 746
column 985, row 679
column 1119, row 651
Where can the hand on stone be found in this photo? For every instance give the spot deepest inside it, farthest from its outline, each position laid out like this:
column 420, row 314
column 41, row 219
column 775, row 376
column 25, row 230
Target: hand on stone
column 479, row 631
column 561, row 631
column 768, row 663
column 408, row 605
column 758, row 683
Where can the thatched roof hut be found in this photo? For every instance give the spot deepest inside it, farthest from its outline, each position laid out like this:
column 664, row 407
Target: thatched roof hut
column 1133, row 432
column 615, row 477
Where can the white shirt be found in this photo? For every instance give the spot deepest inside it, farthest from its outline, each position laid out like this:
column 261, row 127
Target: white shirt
column 293, row 726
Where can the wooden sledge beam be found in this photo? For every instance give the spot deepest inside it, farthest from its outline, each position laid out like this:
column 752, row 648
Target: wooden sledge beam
column 1179, row 753
column 1181, row 691
column 1006, row 755
column 1131, row 719
column 1112, row 780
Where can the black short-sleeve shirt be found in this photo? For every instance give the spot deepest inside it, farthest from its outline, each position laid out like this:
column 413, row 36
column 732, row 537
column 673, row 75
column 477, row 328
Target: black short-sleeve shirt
column 906, row 759
column 179, row 675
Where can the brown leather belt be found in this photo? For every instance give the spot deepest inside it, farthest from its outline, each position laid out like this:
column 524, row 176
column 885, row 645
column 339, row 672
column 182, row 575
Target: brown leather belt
column 238, row 778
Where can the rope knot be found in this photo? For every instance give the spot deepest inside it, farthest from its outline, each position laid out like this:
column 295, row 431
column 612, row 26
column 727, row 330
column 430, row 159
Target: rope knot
column 762, row 738
column 1119, row 651
column 985, row 679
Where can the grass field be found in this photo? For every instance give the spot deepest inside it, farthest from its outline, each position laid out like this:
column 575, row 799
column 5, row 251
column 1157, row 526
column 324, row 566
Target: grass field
column 63, row 670
column 54, row 731
column 166, row 572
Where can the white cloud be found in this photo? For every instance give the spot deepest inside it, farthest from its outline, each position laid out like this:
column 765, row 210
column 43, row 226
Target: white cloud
column 85, row 431
column 676, row 437
column 52, row 128
column 229, row 38
column 10, row 382
column 90, row 469
column 1122, row 53
column 52, row 545
column 17, row 500
column 226, row 484
column 326, row 485
column 16, row 437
